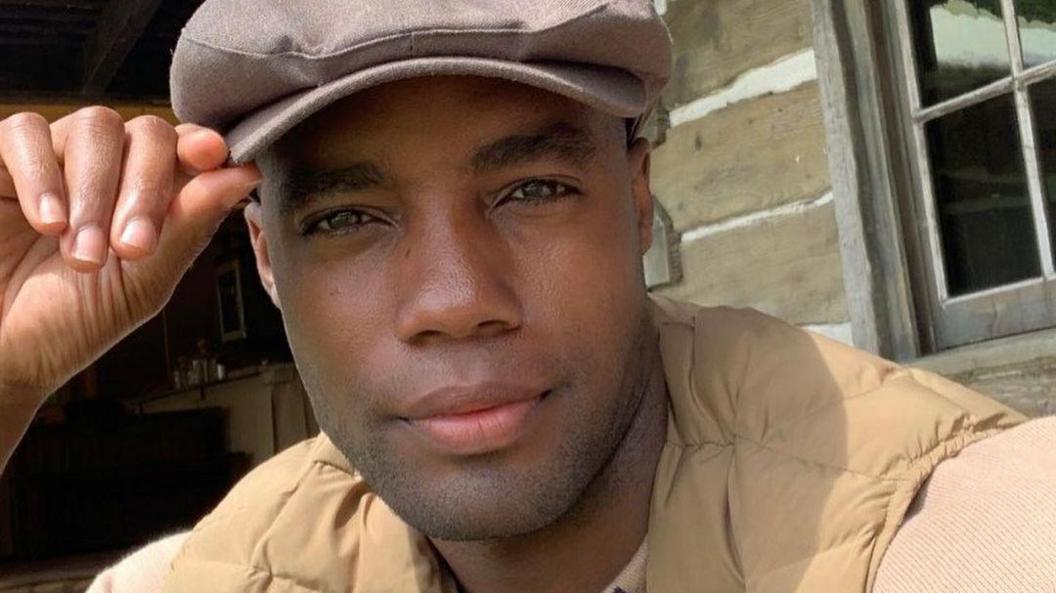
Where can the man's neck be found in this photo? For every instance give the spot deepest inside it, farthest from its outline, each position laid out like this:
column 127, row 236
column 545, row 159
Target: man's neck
column 589, row 547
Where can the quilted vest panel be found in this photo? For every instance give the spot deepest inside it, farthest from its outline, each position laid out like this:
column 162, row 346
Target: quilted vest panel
column 790, row 463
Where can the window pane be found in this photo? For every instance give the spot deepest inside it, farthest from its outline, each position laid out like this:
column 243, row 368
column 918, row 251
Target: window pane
column 1043, row 101
column 983, row 205
column 960, row 46
column 1037, row 30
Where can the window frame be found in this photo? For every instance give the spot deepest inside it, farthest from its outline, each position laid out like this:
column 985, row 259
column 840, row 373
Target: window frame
column 899, row 306
column 1010, row 309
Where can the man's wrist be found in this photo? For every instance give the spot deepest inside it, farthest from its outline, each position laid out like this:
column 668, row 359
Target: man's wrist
column 15, row 395
column 18, row 406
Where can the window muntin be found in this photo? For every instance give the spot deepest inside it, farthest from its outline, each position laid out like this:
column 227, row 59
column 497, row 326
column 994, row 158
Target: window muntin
column 1043, row 105
column 978, row 75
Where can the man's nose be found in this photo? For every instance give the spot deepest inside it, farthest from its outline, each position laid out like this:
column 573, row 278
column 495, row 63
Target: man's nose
column 455, row 282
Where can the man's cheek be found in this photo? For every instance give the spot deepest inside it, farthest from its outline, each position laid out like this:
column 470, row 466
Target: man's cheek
column 320, row 306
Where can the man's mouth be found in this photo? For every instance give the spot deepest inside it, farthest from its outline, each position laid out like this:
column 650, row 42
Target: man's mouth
column 474, row 419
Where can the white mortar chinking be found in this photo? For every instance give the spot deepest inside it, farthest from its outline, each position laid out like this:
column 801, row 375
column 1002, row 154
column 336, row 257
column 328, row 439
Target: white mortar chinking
column 780, row 76
column 841, row 332
column 755, row 218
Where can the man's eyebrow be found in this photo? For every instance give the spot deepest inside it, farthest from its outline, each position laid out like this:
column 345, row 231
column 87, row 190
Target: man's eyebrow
column 302, row 185
column 563, row 141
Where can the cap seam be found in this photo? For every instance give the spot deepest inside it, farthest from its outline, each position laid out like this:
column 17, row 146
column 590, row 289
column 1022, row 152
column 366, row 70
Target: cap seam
column 188, row 36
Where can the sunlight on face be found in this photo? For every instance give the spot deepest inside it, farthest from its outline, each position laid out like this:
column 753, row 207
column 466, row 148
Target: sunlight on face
column 446, row 244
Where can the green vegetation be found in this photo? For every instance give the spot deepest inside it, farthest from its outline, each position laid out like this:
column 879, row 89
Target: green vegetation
column 1031, row 10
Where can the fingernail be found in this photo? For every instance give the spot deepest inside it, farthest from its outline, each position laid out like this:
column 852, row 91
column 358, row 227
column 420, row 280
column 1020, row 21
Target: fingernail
column 140, row 234
column 90, row 245
column 201, row 135
column 51, row 210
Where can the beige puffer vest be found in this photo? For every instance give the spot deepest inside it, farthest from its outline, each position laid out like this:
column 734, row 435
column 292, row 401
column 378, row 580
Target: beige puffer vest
column 790, row 463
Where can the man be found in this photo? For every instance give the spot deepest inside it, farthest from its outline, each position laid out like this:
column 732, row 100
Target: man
column 452, row 216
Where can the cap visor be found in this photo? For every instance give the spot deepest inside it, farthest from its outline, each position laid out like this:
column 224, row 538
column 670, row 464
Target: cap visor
column 609, row 90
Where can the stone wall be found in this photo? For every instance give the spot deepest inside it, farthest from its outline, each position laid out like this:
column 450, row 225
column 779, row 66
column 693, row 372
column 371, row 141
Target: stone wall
column 742, row 170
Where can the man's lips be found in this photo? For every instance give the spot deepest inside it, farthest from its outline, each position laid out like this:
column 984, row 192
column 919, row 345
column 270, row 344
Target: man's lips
column 474, row 419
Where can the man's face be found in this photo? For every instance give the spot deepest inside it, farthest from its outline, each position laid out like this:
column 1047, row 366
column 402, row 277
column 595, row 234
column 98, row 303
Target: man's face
column 458, row 263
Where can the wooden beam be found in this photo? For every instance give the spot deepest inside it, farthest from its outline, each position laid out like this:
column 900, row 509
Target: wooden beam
column 39, row 29
column 120, row 26
column 22, row 14
column 61, row 42
column 90, row 5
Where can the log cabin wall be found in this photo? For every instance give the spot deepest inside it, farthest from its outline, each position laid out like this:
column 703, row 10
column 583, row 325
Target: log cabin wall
column 766, row 162
column 742, row 168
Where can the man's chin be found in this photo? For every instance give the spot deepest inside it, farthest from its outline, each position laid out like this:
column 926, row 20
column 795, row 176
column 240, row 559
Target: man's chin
column 470, row 509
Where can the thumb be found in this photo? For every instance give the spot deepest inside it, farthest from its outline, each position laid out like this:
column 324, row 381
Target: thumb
column 193, row 217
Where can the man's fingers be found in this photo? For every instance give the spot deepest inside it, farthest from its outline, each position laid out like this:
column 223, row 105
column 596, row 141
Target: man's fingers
column 60, row 131
column 7, row 185
column 198, row 209
column 94, row 150
column 194, row 215
column 33, row 171
column 147, row 180
column 199, row 148
column 102, row 184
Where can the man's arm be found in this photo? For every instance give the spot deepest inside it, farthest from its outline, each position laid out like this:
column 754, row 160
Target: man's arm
column 985, row 522
column 14, row 420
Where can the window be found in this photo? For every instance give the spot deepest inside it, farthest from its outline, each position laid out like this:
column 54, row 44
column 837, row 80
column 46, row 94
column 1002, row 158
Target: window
column 980, row 91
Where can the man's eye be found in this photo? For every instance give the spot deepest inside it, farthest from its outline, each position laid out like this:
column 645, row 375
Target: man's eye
column 338, row 222
column 538, row 190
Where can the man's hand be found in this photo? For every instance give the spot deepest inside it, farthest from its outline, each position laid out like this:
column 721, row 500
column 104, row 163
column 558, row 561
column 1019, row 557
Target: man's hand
column 99, row 218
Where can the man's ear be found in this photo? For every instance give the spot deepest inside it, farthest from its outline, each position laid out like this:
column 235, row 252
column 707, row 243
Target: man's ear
column 638, row 159
column 253, row 215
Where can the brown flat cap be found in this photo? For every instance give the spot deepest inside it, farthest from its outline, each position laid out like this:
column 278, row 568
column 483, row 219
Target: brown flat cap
column 254, row 69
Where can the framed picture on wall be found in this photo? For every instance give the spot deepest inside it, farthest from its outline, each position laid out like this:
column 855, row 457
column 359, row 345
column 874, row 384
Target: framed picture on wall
column 229, row 297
